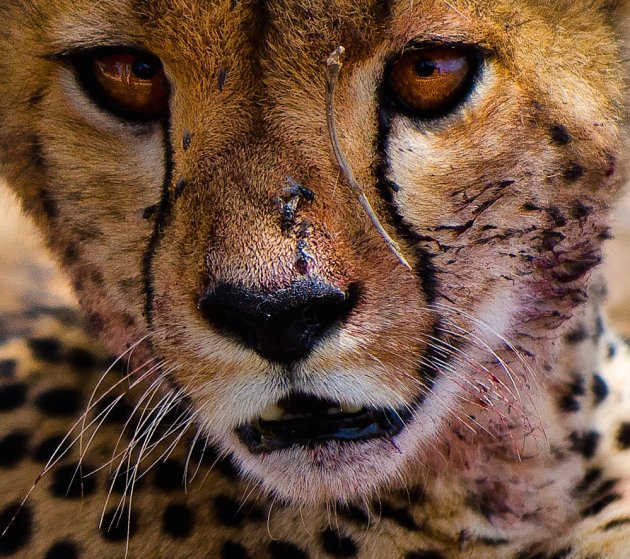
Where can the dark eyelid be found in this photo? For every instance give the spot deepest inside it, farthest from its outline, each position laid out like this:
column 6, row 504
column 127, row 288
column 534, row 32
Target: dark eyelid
column 76, row 52
column 422, row 43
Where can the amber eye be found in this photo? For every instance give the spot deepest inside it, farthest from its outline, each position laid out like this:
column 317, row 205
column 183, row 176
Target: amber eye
column 132, row 85
column 432, row 80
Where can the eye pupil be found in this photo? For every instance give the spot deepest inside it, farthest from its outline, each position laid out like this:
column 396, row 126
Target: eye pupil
column 143, row 70
column 425, row 68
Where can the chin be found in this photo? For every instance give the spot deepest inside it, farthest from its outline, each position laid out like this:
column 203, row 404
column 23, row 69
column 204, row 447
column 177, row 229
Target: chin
column 307, row 450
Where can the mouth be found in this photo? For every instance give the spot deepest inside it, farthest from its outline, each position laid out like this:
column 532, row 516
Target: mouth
column 307, row 421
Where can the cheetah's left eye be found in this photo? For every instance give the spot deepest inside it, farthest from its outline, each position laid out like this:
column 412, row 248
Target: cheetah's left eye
column 132, row 85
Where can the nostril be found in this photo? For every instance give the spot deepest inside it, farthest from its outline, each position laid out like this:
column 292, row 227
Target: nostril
column 281, row 325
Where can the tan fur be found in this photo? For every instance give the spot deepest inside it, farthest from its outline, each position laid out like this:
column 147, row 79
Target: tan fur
column 511, row 221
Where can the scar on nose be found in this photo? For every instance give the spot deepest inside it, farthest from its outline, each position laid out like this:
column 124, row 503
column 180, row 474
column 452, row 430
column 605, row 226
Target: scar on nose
column 303, row 257
column 304, row 229
column 290, row 200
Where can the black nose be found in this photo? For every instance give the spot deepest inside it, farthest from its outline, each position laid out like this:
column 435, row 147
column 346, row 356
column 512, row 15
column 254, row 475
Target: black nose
column 281, row 325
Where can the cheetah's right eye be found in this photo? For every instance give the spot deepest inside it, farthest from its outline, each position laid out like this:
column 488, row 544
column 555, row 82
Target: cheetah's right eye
column 433, row 80
column 130, row 84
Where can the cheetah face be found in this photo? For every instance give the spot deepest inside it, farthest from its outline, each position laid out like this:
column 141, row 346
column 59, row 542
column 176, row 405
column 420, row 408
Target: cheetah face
column 179, row 159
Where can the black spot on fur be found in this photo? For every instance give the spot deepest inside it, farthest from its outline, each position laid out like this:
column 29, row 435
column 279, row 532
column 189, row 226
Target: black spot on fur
column 8, row 368
column 286, row 550
column 13, row 449
column 59, row 402
column 202, row 452
column 585, row 443
column 577, row 335
column 623, row 436
column 228, row 511
column 232, row 550
column 591, row 477
column 117, row 524
column 97, row 278
column 337, row 545
column 424, row 555
column 558, row 219
column 618, row 523
column 574, row 172
column 355, row 514
column 551, row 239
column 169, row 475
column 178, row 521
column 19, row 533
column 179, row 189
column 45, row 449
column 401, row 516
column 36, row 97
column 69, row 483
column 563, row 553
column 493, row 542
column 46, row 349
column 186, row 140
column 149, row 211
column 611, row 352
column 205, row 453
column 560, row 135
column 529, row 553
column 606, row 235
column 606, row 487
column 122, row 481
column 572, row 270
column 63, row 550
column 36, row 153
column 569, row 404
column 578, row 387
column 530, row 207
column 599, row 328
column 12, row 396
column 81, row 359
column 394, row 187
column 70, row 254
column 222, row 78
column 600, row 389
column 580, row 210
column 96, row 322
column 600, row 505
column 118, row 411
column 48, row 205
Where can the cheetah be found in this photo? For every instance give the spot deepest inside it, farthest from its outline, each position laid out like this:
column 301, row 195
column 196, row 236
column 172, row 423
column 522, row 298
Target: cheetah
column 341, row 260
